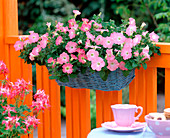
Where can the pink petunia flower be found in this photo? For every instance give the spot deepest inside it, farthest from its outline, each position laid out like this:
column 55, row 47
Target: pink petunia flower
column 71, row 47
column 48, row 24
column 154, row 37
column 64, row 58
column 80, row 51
column 53, row 61
column 72, row 33
column 85, row 20
column 85, row 27
column 87, row 44
column 128, row 42
column 109, row 54
column 58, row 40
column 99, row 40
column 73, row 57
column 97, row 64
column 144, row 33
column 130, row 30
column 71, row 22
column 80, row 42
column 122, row 66
column 33, row 37
column 136, row 53
column 90, row 36
column 92, row 54
column 126, row 53
column 43, row 43
column 59, row 26
column 107, row 42
column 119, row 38
column 36, row 50
column 132, row 21
column 82, row 58
column 113, row 65
column 136, row 40
column 64, row 29
column 102, row 30
column 67, row 68
column 76, row 12
column 18, row 45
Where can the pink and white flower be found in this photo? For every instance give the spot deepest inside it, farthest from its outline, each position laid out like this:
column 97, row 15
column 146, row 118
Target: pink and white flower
column 107, row 42
column 19, row 45
column 97, row 64
column 136, row 53
column 87, row 44
column 48, row 24
column 64, row 58
column 109, row 54
column 136, row 40
column 76, row 12
column 82, row 58
column 144, row 33
column 126, row 53
column 119, row 38
column 99, row 40
column 92, row 54
column 112, row 64
column 80, row 51
column 67, row 68
column 132, row 21
column 58, row 40
column 73, row 57
column 85, row 27
column 33, row 37
column 72, row 33
column 71, row 22
column 71, row 47
column 8, row 109
column 90, row 36
column 130, row 30
column 154, row 37
column 3, row 68
column 128, row 42
column 122, row 66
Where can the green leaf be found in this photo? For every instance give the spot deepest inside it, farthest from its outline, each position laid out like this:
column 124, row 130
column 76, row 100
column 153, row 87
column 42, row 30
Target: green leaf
column 144, row 66
column 52, row 77
column 64, row 79
column 103, row 74
column 73, row 75
column 126, row 73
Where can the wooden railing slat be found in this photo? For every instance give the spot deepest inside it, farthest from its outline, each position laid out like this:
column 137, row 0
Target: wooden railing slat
column 85, row 121
column 151, row 90
column 167, row 88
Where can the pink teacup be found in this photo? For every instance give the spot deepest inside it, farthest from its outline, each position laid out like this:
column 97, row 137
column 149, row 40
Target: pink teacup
column 124, row 114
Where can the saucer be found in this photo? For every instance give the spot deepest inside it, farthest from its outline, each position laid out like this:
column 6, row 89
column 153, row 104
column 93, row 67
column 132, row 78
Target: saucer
column 113, row 126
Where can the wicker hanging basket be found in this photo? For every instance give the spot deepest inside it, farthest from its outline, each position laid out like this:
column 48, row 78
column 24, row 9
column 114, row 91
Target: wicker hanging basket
column 115, row 81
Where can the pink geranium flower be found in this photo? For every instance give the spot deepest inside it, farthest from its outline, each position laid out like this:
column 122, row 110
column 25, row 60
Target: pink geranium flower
column 85, row 27
column 18, row 45
column 107, row 42
column 3, row 68
column 64, row 58
column 11, row 122
column 122, row 66
column 8, row 109
column 99, row 40
column 71, row 47
column 5, row 91
column 90, row 36
column 113, row 65
column 72, row 33
column 92, row 54
column 58, row 40
column 82, row 58
column 97, row 64
column 136, row 40
column 119, row 38
column 126, row 53
column 33, row 37
column 31, row 121
column 109, row 55
column 67, row 68
column 154, row 37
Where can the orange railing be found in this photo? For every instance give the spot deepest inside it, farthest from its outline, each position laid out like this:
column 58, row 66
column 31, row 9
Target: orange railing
column 142, row 90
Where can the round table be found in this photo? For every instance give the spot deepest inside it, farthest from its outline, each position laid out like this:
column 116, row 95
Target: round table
column 105, row 133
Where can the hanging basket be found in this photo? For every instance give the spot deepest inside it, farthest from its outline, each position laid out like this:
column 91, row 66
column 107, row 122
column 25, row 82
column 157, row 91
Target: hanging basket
column 115, row 81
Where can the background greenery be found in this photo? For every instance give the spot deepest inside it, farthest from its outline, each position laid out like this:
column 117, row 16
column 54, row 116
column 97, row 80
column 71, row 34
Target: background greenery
column 33, row 15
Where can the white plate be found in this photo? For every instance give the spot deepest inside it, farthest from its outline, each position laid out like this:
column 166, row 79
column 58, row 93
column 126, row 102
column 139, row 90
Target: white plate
column 113, row 126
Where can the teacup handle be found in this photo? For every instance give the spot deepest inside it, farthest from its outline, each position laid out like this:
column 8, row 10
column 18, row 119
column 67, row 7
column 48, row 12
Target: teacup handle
column 137, row 117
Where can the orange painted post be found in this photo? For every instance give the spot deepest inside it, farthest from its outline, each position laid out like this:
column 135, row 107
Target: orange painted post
column 85, row 122
column 46, row 112
column 76, row 112
column 69, row 106
column 151, row 90
column 133, row 89
column 55, row 109
column 99, row 108
column 116, row 98
column 2, row 36
column 167, row 87
column 39, row 78
column 141, row 92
